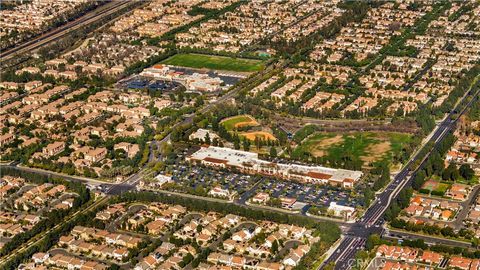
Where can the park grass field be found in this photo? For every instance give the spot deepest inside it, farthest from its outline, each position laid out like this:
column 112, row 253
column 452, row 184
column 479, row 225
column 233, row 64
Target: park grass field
column 215, row 62
column 368, row 146
column 260, row 134
column 239, row 121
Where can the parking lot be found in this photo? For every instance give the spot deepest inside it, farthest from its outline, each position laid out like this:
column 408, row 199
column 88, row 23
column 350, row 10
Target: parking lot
column 308, row 193
column 190, row 179
column 138, row 82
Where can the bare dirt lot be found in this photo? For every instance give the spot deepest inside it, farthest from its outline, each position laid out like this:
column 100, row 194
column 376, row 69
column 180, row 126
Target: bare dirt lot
column 261, row 134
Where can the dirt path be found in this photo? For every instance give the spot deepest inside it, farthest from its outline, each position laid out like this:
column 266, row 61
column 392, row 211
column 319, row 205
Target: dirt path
column 320, row 149
column 376, row 151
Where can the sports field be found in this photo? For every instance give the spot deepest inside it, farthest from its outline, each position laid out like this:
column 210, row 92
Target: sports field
column 368, row 146
column 239, row 121
column 263, row 135
column 215, row 62
column 435, row 187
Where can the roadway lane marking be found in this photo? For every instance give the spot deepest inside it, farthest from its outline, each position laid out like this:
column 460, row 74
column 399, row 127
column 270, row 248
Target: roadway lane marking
column 351, row 242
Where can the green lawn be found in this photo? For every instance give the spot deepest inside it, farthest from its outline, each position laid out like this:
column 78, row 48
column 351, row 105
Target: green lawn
column 369, row 146
column 435, row 187
column 442, row 188
column 354, row 144
column 311, row 144
column 215, row 62
column 229, row 123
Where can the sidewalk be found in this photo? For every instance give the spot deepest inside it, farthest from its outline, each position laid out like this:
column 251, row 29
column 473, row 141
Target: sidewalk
column 330, row 251
column 429, row 238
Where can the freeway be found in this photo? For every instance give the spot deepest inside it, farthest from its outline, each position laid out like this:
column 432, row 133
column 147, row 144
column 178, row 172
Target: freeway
column 85, row 180
column 372, row 222
column 90, row 17
column 38, row 238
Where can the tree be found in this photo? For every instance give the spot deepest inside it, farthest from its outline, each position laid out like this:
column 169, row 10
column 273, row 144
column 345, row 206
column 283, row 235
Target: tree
column 368, row 196
column 417, row 243
column 372, row 241
column 392, row 211
column 330, row 266
column 475, row 242
column 362, row 256
column 274, row 248
column 246, row 144
column 451, row 173
column 166, row 148
column 187, row 259
column 404, row 197
column 425, row 120
column 466, row 171
column 384, row 177
column 437, row 162
column 236, row 144
column 273, row 152
column 419, row 180
column 207, row 138
column 114, row 267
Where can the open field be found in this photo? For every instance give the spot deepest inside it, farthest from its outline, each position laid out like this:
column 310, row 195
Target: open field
column 215, row 62
column 435, row 187
column 260, row 134
column 239, row 121
column 368, row 146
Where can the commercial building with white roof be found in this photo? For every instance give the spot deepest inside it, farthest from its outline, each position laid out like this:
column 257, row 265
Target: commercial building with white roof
column 193, row 82
column 250, row 163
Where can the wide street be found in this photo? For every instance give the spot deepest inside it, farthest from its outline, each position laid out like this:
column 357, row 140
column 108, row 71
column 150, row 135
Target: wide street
column 326, row 115
column 355, row 234
column 61, row 31
column 38, row 238
column 397, row 235
column 133, row 180
column 372, row 221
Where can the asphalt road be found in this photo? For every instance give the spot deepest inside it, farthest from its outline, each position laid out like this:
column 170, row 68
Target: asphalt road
column 397, row 235
column 74, row 178
column 356, row 234
column 466, row 206
column 39, row 237
column 61, row 31
column 132, row 181
column 372, row 221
